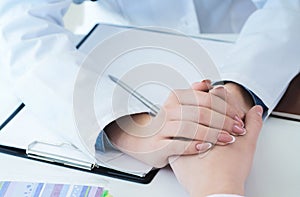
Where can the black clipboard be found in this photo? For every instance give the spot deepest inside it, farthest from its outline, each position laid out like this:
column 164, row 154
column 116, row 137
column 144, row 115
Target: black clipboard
column 97, row 170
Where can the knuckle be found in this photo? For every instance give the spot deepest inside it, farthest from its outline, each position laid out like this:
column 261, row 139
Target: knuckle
column 172, row 111
column 172, row 97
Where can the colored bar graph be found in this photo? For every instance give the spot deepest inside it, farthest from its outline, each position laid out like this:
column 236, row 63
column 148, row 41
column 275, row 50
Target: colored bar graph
column 28, row 189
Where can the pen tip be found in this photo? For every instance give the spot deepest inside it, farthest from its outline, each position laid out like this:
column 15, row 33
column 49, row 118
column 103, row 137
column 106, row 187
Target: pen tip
column 113, row 78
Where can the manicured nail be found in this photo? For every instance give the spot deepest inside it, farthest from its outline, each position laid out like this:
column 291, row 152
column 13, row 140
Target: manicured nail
column 226, row 138
column 206, row 81
column 245, row 131
column 239, row 120
column 203, row 147
column 239, row 130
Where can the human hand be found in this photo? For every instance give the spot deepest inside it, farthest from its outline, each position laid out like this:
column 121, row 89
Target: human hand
column 236, row 96
column 186, row 114
column 223, row 170
column 236, row 99
column 235, row 103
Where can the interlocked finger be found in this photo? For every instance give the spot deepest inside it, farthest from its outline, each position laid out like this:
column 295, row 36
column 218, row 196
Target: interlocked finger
column 206, row 117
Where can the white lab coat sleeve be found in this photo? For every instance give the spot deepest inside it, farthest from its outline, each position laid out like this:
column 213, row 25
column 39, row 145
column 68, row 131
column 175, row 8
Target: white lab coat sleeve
column 37, row 52
column 42, row 60
column 265, row 57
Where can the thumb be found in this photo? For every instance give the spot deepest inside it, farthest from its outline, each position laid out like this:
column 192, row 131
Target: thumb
column 253, row 123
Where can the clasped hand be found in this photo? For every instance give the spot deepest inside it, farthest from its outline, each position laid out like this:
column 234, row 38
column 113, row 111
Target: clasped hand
column 189, row 122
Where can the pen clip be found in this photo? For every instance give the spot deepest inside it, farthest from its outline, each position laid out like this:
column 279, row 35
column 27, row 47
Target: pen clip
column 59, row 153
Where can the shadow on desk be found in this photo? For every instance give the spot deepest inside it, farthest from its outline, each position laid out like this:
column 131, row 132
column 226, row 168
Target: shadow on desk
column 289, row 105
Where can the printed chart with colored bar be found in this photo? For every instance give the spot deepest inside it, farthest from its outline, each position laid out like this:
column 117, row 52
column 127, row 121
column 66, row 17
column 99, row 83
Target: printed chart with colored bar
column 28, row 189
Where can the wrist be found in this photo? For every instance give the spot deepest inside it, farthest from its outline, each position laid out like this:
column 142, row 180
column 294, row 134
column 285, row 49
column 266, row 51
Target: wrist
column 127, row 128
column 224, row 187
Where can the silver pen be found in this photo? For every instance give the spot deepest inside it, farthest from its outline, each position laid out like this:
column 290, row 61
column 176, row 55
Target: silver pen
column 154, row 109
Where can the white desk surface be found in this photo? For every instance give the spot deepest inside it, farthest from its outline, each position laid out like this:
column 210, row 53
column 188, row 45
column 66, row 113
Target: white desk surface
column 276, row 169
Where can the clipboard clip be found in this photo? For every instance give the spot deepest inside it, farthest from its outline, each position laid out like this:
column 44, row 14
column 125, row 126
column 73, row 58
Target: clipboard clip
column 66, row 154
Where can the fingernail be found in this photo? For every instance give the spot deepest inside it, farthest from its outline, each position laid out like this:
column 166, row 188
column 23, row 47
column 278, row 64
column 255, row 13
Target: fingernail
column 239, row 130
column 239, row 120
column 203, row 147
column 206, row 81
column 244, row 133
column 219, row 87
column 226, row 138
column 259, row 110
